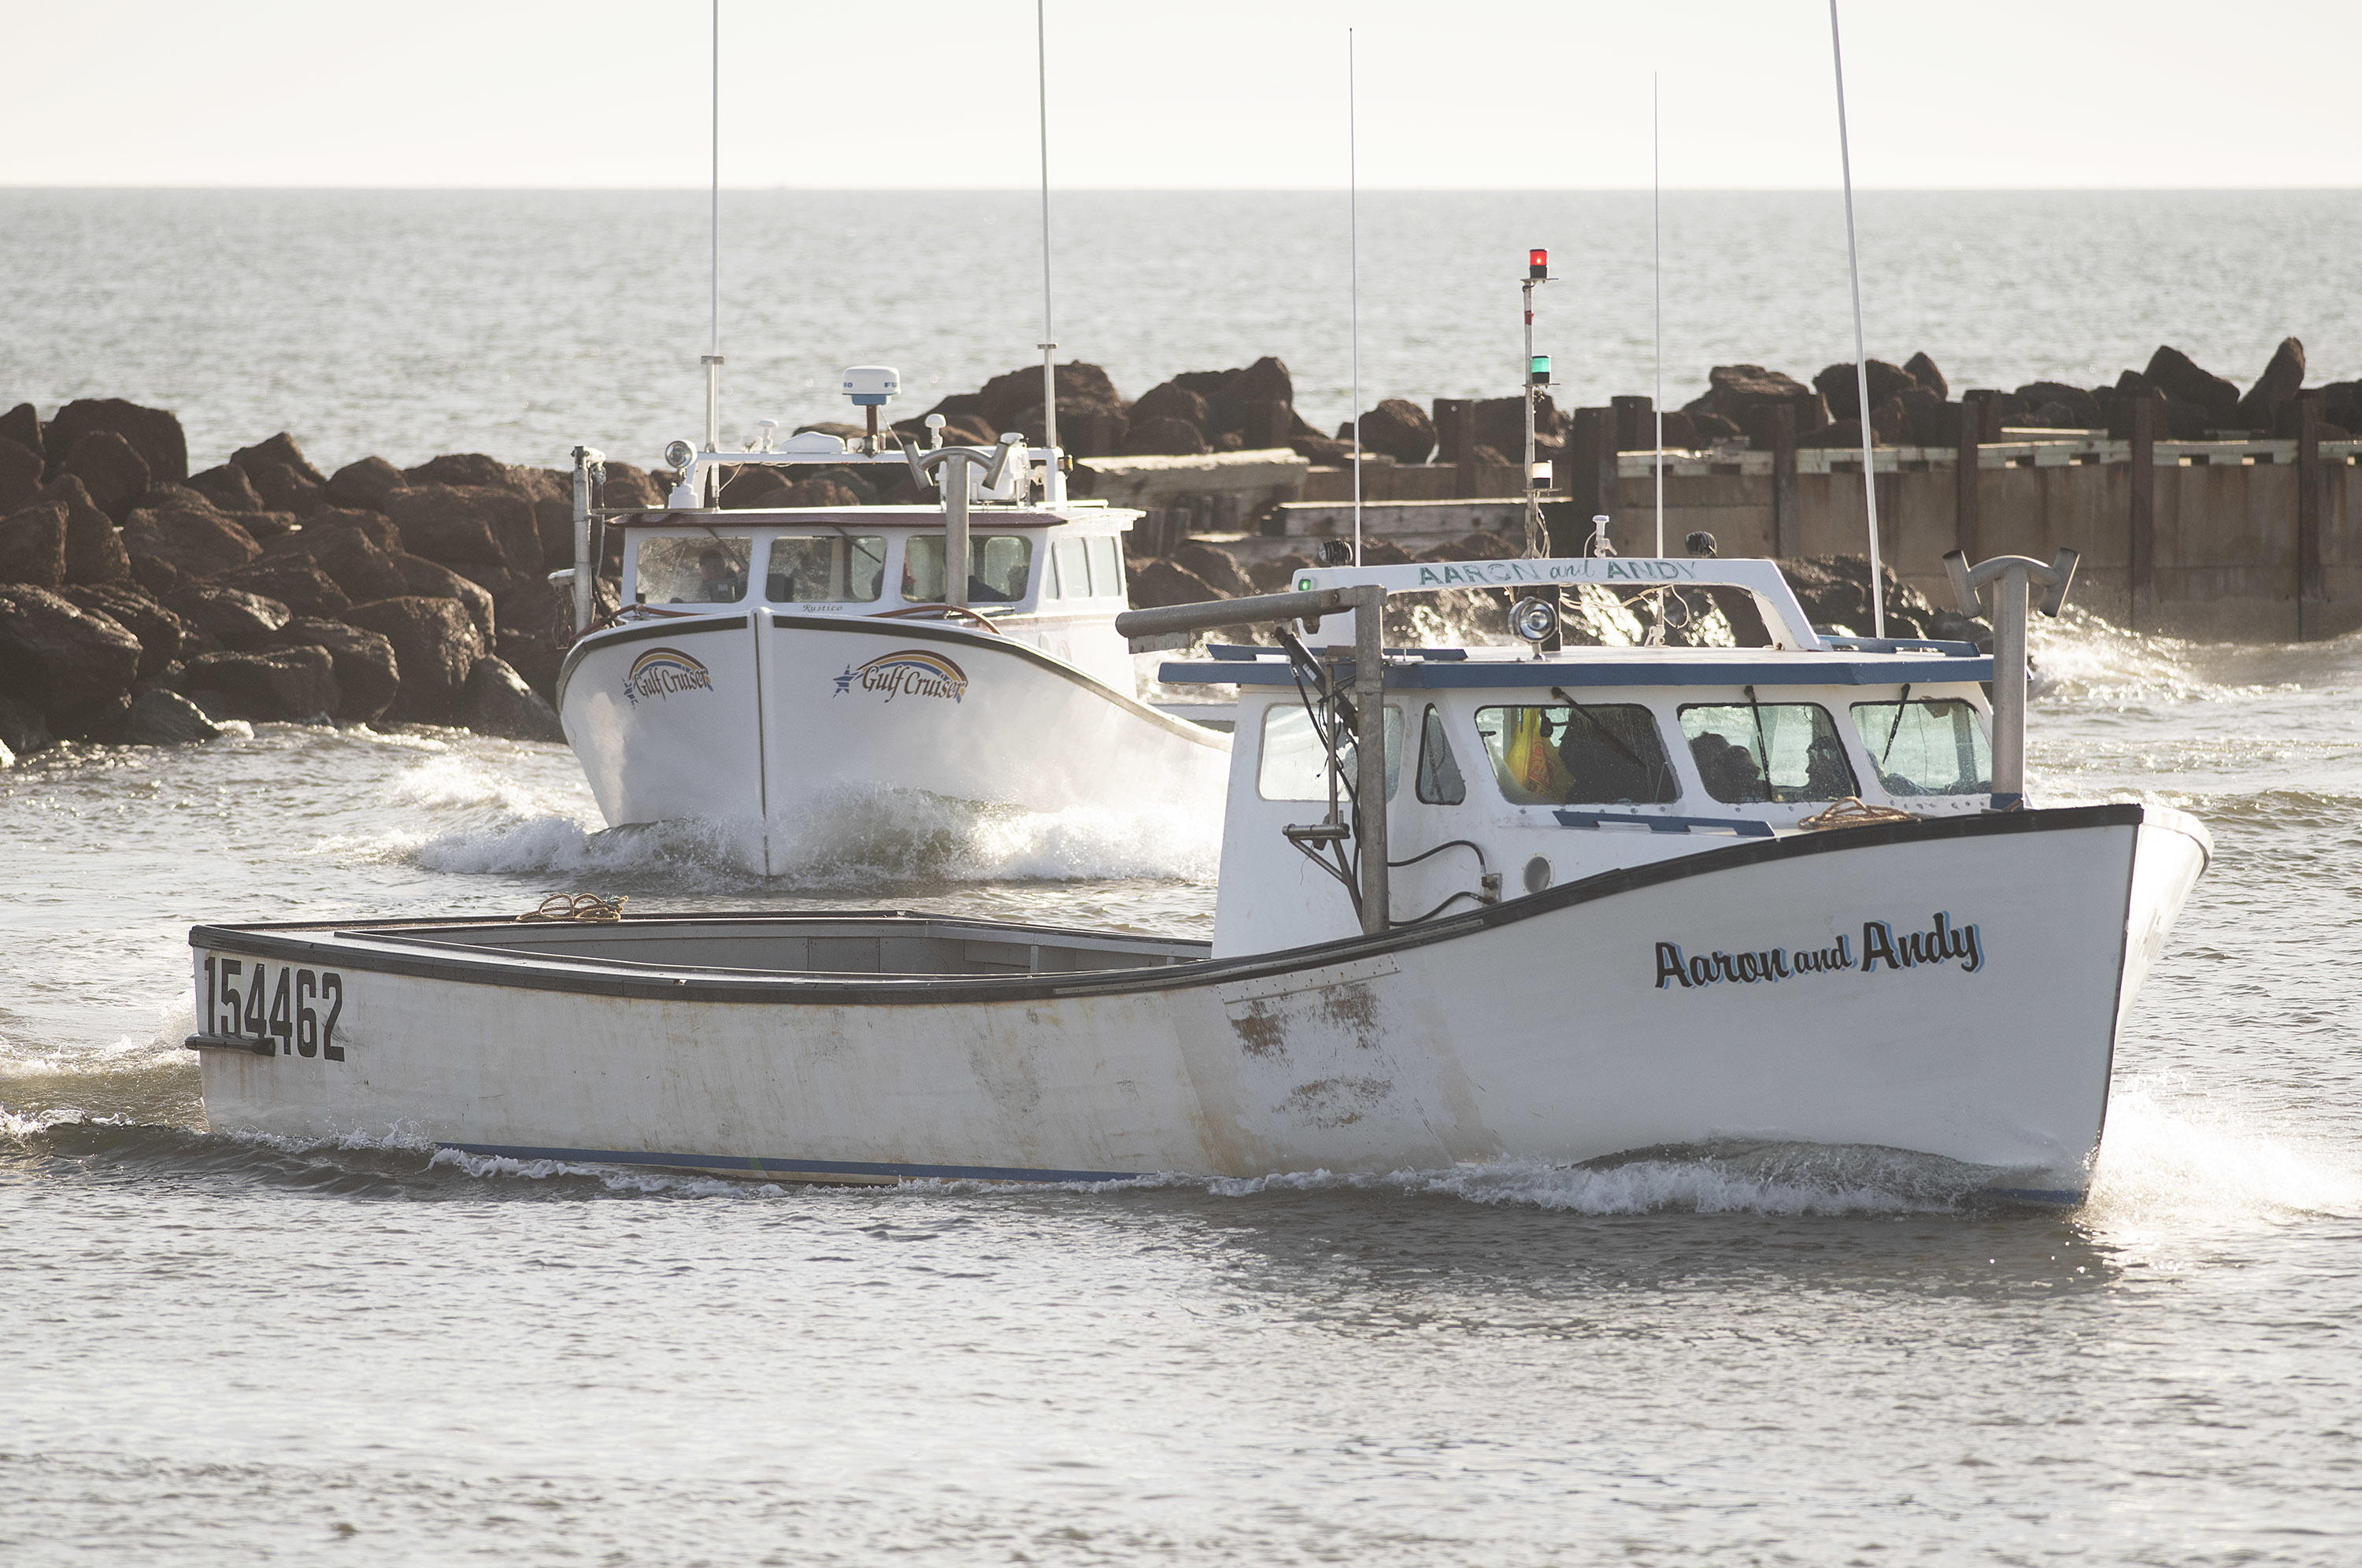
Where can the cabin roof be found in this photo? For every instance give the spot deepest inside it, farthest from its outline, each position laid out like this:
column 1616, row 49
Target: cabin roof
column 981, row 516
column 1509, row 669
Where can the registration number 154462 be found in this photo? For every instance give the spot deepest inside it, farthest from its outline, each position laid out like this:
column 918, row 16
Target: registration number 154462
column 294, row 1009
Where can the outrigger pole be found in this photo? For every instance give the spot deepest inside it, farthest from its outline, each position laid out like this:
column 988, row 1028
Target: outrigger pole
column 713, row 354
column 1052, row 489
column 1353, row 280
column 1861, row 354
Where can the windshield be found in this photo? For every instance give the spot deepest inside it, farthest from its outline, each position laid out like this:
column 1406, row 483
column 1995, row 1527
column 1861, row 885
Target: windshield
column 704, row 569
column 1768, row 751
column 1598, row 754
column 839, row 569
column 997, row 567
column 1933, row 746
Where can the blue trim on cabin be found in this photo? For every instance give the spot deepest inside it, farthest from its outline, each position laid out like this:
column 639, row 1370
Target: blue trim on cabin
column 757, row 1165
column 1744, row 827
column 1235, row 651
column 1486, row 674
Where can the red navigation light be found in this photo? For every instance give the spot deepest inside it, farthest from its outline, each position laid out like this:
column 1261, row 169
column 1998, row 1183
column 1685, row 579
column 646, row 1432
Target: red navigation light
column 1537, row 263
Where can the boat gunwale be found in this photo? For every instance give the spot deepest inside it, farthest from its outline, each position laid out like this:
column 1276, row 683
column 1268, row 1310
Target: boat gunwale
column 348, row 941
column 881, row 625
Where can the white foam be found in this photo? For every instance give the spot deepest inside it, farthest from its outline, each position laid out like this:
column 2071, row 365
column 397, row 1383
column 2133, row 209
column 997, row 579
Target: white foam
column 2174, row 1162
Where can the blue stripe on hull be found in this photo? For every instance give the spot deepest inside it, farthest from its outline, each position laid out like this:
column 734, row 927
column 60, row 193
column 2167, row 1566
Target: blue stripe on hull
column 753, row 1164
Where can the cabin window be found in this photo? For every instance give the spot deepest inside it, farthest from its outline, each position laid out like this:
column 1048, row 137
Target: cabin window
column 1294, row 768
column 1591, row 754
column 827, row 568
column 1768, row 751
column 1440, row 783
column 1107, row 567
column 704, row 568
column 1933, row 746
column 1074, row 577
column 996, row 568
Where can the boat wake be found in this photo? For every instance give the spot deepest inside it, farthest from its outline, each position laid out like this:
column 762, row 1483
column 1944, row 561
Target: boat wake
column 463, row 814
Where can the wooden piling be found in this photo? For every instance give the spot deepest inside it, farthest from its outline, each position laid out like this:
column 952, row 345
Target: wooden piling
column 1771, row 427
column 2141, row 549
column 1967, row 486
column 1455, row 432
column 1586, row 471
column 2307, row 516
column 1636, row 425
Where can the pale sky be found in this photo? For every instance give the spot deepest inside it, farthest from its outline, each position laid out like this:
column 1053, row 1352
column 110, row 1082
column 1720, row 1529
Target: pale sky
column 1210, row 94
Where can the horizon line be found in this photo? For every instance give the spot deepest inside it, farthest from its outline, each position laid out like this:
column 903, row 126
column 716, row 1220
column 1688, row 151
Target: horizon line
column 1186, row 190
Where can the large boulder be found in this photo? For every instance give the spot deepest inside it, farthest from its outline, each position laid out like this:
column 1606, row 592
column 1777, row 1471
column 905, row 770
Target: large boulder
column 429, row 578
column 435, row 646
column 1932, row 422
column 1157, row 581
column 2081, row 409
column 1399, row 429
column 1170, row 399
column 33, row 546
column 22, row 424
column 20, row 474
column 94, row 551
column 461, row 468
column 280, row 449
column 1834, row 591
column 76, row 666
column 228, row 487
column 1734, row 391
column 1164, row 437
column 452, row 524
column 1922, row 369
column 153, row 432
column 626, row 486
column 163, row 636
column 2178, row 376
column 368, row 674
column 115, row 474
column 536, row 655
column 1840, row 388
column 230, row 616
column 22, row 729
column 293, row 581
column 1845, row 435
column 290, row 685
column 365, row 484
column 285, row 488
column 1232, row 396
column 495, row 701
column 2276, row 388
column 351, row 557
column 159, row 717
column 1009, row 402
column 189, row 545
column 1217, row 569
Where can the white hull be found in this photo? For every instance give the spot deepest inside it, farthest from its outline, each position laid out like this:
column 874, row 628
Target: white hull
column 745, row 718
column 1545, row 1028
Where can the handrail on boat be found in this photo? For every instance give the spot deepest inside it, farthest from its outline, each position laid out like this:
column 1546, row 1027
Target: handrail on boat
column 977, row 616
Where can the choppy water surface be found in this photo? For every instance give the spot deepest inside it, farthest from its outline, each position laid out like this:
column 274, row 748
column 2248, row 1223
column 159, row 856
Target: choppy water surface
column 222, row 1349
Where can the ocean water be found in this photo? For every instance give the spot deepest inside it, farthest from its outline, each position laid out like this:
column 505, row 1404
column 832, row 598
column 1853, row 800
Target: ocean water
column 226, row 1348
column 220, row 1349
column 521, row 324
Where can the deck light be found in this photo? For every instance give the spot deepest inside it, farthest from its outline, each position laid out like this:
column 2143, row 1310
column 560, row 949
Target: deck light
column 677, row 455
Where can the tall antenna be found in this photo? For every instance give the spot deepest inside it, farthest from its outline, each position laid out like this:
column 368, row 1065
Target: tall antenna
column 1861, row 354
column 1049, row 345
column 1657, row 231
column 1354, row 267
column 713, row 354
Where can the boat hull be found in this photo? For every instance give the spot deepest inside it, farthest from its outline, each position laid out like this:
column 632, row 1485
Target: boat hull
column 760, row 717
column 1950, row 988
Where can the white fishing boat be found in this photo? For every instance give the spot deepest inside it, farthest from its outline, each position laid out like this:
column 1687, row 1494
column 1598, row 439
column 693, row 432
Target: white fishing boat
column 766, row 657
column 1582, row 903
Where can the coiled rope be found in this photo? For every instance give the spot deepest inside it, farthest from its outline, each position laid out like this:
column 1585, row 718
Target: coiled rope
column 589, row 907
column 1852, row 812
